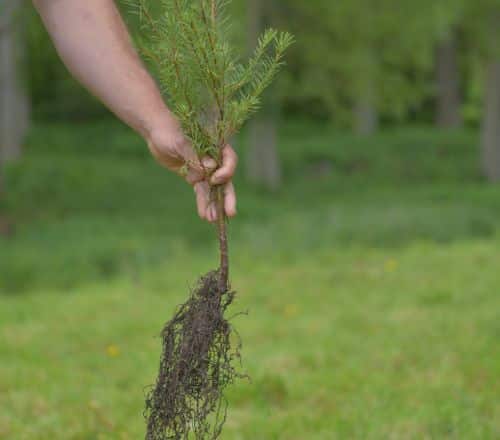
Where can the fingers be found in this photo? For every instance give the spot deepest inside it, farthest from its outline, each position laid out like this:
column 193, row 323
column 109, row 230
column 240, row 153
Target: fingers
column 206, row 208
column 212, row 213
column 176, row 153
column 230, row 200
column 173, row 150
column 198, row 171
column 209, row 165
column 202, row 191
column 229, row 163
column 194, row 170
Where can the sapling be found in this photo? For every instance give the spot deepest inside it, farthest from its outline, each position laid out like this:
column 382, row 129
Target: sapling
column 212, row 93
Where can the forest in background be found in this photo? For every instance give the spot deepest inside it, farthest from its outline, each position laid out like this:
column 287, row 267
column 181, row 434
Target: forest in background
column 357, row 65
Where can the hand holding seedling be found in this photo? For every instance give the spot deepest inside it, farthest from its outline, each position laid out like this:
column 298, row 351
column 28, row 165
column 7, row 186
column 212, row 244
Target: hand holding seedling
column 96, row 47
column 173, row 150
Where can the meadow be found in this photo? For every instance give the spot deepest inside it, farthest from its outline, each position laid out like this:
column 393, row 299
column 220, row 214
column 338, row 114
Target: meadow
column 370, row 279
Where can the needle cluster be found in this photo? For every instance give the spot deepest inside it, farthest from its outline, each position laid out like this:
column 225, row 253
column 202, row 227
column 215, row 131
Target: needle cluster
column 209, row 88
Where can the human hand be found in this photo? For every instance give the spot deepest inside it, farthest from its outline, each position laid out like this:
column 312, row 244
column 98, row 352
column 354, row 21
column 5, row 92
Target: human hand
column 173, row 150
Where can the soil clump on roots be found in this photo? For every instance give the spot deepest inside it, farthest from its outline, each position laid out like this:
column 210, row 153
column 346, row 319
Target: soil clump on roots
column 196, row 365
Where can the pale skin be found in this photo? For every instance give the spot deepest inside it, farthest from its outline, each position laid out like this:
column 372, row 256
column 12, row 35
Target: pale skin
column 94, row 43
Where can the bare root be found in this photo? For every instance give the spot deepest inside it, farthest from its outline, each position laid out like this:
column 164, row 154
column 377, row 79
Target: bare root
column 195, row 368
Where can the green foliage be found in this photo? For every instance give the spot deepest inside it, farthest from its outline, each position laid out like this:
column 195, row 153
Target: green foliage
column 390, row 190
column 344, row 50
column 352, row 49
column 480, row 21
column 208, row 87
column 386, row 269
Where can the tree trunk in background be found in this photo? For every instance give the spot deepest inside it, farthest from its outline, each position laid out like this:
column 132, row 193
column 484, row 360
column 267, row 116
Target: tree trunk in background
column 365, row 109
column 491, row 123
column 14, row 103
column 366, row 115
column 448, row 83
column 262, row 160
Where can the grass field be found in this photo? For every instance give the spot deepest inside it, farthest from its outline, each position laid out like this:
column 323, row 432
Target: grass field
column 371, row 281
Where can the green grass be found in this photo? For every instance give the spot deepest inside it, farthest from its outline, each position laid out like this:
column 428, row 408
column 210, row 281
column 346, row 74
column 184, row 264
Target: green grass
column 371, row 281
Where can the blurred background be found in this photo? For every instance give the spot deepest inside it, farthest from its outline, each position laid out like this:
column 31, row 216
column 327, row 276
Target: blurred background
column 366, row 248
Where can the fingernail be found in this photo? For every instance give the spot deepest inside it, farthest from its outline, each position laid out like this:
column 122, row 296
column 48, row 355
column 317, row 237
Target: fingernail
column 209, row 162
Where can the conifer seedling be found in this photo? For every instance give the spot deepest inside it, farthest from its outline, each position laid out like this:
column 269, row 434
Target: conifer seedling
column 212, row 93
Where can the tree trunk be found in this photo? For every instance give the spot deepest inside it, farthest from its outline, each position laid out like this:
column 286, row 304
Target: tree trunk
column 366, row 116
column 491, row 123
column 14, row 104
column 448, row 83
column 262, row 160
column 365, row 109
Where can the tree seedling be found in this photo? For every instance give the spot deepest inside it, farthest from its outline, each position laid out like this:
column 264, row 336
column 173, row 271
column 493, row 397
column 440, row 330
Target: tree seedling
column 212, row 93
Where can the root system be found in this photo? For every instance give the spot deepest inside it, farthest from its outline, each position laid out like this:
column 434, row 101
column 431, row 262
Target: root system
column 196, row 366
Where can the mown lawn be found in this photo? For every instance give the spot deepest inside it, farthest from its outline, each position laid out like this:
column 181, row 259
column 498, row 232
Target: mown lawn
column 371, row 281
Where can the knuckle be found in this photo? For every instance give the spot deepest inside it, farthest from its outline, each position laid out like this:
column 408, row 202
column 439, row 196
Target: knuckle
column 225, row 175
column 166, row 143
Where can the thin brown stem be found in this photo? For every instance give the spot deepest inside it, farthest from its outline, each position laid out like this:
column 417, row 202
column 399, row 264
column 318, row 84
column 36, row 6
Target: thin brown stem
column 223, row 245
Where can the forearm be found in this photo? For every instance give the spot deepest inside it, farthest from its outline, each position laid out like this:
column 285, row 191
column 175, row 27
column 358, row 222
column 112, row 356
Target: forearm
column 95, row 45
